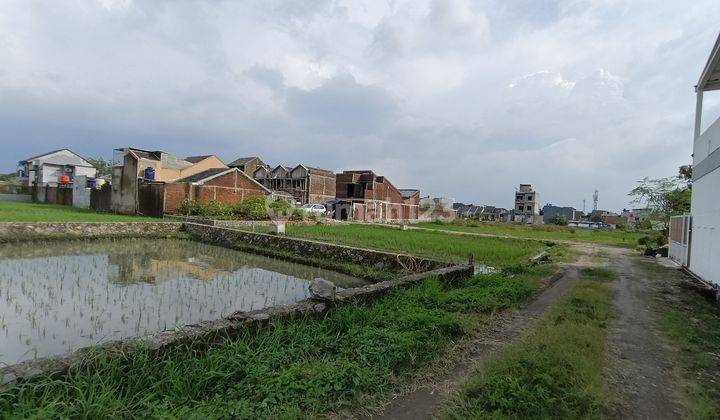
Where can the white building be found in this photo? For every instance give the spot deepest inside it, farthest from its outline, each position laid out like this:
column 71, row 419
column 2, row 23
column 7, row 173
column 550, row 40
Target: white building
column 703, row 253
column 49, row 167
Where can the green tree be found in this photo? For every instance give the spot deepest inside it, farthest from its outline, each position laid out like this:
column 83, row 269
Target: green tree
column 104, row 167
column 665, row 197
column 559, row 220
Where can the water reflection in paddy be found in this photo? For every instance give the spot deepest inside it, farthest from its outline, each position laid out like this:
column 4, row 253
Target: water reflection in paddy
column 61, row 296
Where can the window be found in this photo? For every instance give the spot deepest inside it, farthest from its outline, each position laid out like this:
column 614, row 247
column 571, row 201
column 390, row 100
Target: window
column 520, row 207
column 529, row 198
column 529, row 208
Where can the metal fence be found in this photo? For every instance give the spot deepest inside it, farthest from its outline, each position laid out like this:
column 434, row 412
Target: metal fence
column 680, row 239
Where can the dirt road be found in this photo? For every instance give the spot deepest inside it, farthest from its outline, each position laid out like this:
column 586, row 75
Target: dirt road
column 639, row 368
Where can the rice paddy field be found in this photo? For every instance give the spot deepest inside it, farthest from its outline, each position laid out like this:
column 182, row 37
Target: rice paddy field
column 33, row 212
column 58, row 297
column 494, row 252
column 623, row 238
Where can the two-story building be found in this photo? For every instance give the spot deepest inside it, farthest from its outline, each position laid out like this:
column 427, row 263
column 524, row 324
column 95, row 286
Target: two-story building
column 695, row 239
column 53, row 168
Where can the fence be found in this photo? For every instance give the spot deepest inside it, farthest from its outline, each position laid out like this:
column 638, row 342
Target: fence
column 680, row 238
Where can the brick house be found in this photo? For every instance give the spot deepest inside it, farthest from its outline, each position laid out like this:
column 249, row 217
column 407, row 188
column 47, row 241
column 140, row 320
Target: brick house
column 224, row 185
column 132, row 182
column 248, row 164
column 304, row 183
column 364, row 196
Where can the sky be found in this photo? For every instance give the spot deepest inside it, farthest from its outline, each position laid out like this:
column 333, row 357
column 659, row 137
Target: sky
column 459, row 98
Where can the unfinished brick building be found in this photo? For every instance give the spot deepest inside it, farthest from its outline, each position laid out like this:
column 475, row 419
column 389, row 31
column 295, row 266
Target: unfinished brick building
column 248, row 164
column 304, row 183
column 364, row 196
column 227, row 186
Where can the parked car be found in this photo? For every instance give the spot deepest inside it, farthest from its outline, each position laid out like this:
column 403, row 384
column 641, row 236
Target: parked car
column 317, row 209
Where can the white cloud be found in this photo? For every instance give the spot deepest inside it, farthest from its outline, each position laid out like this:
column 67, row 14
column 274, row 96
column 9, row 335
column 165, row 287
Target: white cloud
column 460, row 98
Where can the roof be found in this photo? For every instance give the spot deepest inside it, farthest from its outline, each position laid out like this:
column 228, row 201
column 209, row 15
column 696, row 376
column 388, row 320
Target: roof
column 196, row 159
column 145, row 154
column 408, row 192
column 710, row 77
column 75, row 160
column 242, row 161
column 204, row 175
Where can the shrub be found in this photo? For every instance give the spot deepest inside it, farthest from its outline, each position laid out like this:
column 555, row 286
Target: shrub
column 253, row 208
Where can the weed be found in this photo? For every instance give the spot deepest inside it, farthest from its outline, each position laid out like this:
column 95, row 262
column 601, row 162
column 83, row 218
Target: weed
column 555, row 372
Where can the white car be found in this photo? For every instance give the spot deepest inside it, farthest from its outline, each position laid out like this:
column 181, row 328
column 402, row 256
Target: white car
column 317, row 209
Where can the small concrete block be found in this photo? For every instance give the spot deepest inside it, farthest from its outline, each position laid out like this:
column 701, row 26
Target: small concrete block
column 321, row 289
column 277, row 228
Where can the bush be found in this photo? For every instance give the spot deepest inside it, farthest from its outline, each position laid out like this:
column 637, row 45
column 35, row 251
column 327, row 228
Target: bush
column 559, row 220
column 253, row 208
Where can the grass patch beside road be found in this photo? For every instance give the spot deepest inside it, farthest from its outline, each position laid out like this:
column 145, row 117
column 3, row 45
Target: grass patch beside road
column 622, row 238
column 555, row 371
column 496, row 252
column 692, row 324
column 33, row 212
column 303, row 368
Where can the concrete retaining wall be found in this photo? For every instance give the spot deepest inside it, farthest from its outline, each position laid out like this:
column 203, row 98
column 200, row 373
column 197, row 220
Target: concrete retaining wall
column 378, row 259
column 19, row 232
column 20, row 198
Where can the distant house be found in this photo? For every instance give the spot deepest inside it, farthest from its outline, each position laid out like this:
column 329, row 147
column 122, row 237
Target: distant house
column 223, row 185
column 494, row 214
column 50, row 167
column 635, row 216
column 437, row 208
column 305, row 184
column 527, row 205
column 549, row 212
column 364, row 196
column 411, row 196
column 137, row 170
column 248, row 164
column 614, row 220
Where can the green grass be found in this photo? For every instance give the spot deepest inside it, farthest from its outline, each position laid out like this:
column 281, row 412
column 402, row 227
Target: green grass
column 353, row 356
column 692, row 324
column 496, row 252
column 32, row 212
column 546, row 232
column 555, row 371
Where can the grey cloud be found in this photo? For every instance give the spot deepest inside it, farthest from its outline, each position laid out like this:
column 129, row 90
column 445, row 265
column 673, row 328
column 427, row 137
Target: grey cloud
column 343, row 106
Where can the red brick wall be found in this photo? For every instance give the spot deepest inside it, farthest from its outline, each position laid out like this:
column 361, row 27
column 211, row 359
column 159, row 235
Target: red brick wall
column 321, row 187
column 174, row 195
column 231, row 188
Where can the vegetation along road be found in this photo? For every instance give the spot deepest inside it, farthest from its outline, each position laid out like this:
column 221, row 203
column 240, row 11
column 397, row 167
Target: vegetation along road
column 601, row 332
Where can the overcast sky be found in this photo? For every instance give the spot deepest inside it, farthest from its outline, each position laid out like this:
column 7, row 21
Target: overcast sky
column 463, row 99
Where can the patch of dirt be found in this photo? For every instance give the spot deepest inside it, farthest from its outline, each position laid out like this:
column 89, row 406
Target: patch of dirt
column 425, row 399
column 640, row 369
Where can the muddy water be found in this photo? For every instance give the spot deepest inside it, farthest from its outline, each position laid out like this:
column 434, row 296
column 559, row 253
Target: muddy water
column 58, row 297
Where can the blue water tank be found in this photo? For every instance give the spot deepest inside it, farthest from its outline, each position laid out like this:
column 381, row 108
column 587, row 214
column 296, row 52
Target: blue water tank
column 91, row 183
column 150, row 173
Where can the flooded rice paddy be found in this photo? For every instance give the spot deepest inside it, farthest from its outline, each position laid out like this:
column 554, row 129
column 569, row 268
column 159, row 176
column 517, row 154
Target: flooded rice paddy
column 58, row 297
